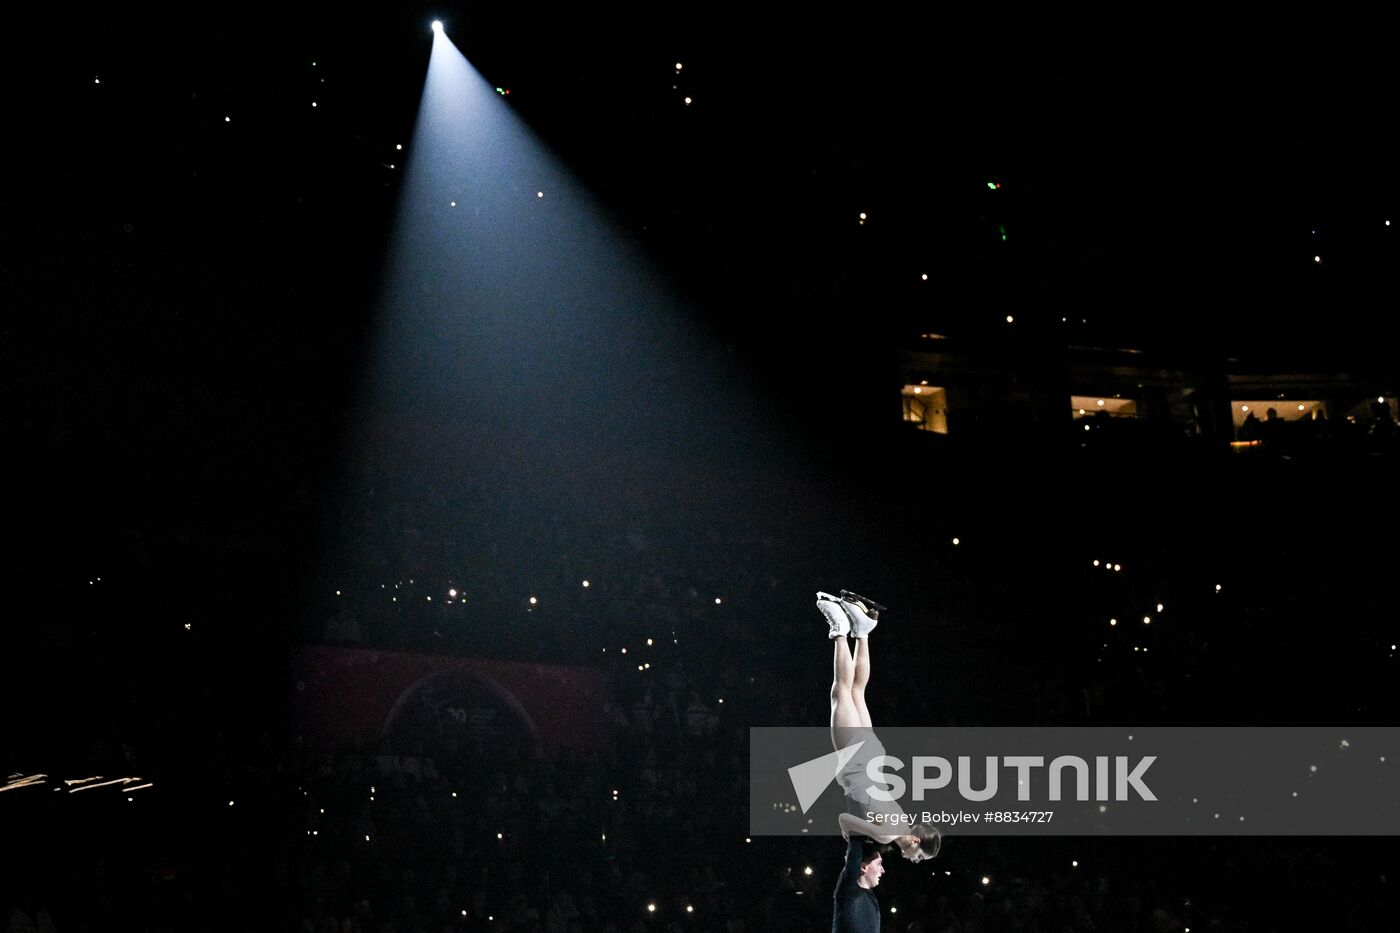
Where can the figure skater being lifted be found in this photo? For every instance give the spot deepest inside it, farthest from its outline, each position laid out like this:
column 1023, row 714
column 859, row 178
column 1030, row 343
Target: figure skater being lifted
column 846, row 615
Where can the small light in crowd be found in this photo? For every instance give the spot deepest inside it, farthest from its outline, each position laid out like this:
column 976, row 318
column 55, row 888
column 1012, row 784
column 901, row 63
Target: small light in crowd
column 1117, row 567
column 746, row 839
column 648, row 641
column 453, row 203
column 721, row 699
column 1300, row 407
column 624, row 650
column 230, row 803
column 227, row 120
column 1096, row 563
column 398, row 147
column 464, row 913
column 1159, row 607
column 187, row 626
column 894, row 910
column 718, row 601
column 986, row 880
column 918, row 390
column 454, row 793
column 539, row 194
column 323, row 810
column 807, row 870
column 1100, row 403
column 1244, row 408
column 1010, row 319
column 1074, row 864
column 689, row 909
column 533, row 600
column 1317, row 259
column 1217, row 587
column 1146, row 620
column 366, row 838
column 957, row 541
column 647, row 665
column 499, row 836
column 452, row 594
column 99, row 81
column 313, row 103
column 862, row 215
column 640, row 668
column 924, row 277
column 585, row 584
column 430, row 599
column 687, row 101
column 678, row 66
column 651, row 908
column 1112, row 621
column 1379, row 398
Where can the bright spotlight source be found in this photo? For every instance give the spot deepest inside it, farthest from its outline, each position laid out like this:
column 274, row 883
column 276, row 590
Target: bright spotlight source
column 437, row 25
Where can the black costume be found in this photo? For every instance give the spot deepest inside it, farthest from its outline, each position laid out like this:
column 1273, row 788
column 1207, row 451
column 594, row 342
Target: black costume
column 854, row 909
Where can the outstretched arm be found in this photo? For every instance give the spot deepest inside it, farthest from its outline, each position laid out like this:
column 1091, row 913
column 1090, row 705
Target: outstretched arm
column 850, row 823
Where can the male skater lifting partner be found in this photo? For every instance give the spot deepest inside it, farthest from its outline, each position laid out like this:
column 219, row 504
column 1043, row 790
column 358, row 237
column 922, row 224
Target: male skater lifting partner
column 855, row 909
column 850, row 723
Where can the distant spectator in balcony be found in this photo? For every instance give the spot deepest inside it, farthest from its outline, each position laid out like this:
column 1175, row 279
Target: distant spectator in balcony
column 1382, row 432
column 1271, row 431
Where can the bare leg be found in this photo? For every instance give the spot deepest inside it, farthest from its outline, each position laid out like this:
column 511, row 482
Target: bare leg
column 860, row 679
column 844, row 714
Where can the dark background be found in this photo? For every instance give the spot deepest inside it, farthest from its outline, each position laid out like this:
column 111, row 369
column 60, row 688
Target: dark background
column 189, row 303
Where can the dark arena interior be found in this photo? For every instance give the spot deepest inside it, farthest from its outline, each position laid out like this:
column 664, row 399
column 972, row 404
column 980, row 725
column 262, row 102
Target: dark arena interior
column 428, row 442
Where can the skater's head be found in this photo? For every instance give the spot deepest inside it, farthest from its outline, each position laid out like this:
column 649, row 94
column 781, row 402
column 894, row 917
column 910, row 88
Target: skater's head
column 872, row 865
column 922, row 842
